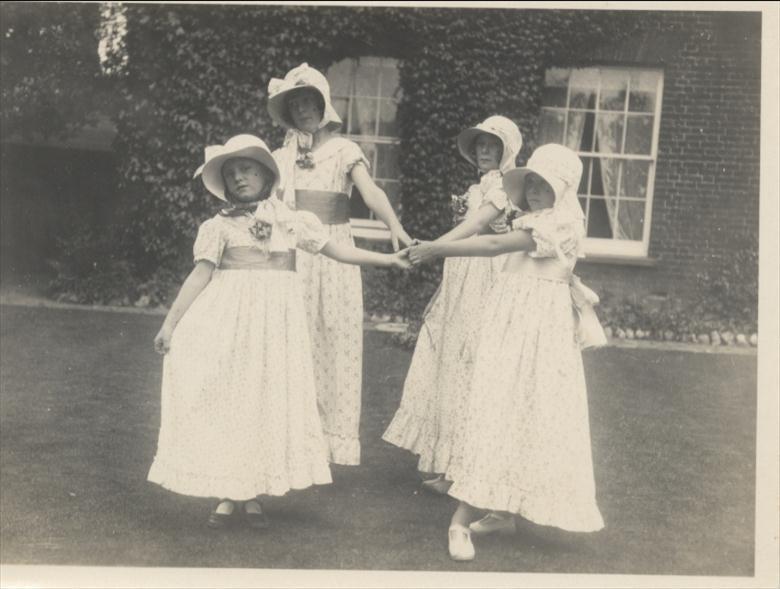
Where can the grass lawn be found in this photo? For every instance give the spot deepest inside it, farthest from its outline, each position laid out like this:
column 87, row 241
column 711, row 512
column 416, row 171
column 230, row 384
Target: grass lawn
column 673, row 443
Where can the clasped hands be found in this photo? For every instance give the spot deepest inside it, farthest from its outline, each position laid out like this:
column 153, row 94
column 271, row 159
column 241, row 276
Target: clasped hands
column 418, row 252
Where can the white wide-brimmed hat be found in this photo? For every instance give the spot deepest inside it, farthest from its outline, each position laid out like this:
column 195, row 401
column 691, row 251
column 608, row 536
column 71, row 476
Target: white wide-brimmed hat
column 560, row 167
column 298, row 79
column 247, row 146
column 501, row 127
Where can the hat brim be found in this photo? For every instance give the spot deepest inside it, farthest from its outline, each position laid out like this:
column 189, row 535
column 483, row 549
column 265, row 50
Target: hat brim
column 466, row 139
column 277, row 107
column 212, row 170
column 514, row 183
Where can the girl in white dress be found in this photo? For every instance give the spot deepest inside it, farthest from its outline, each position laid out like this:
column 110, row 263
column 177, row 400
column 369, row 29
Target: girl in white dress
column 319, row 170
column 525, row 447
column 239, row 408
column 434, row 397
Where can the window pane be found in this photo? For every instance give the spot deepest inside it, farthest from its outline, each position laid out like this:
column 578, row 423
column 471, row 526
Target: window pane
column 390, row 86
column 582, row 98
column 639, row 134
column 366, row 79
column 606, row 172
column 609, row 133
column 614, row 86
column 551, row 127
column 340, row 77
column 363, row 118
column 388, row 126
column 556, row 81
column 644, row 86
column 387, row 161
column 583, row 88
column 598, row 219
column 342, row 106
column 631, row 219
column 579, row 133
column 634, row 180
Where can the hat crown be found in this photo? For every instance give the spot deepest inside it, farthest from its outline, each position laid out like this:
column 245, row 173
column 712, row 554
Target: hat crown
column 234, row 144
column 557, row 161
column 304, row 75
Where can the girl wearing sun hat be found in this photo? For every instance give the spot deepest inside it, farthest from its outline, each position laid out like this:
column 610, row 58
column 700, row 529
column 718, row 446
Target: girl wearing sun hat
column 320, row 170
column 239, row 408
column 433, row 403
column 525, row 445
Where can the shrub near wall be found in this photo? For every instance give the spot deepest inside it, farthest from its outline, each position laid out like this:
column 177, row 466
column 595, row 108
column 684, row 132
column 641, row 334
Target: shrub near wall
column 198, row 74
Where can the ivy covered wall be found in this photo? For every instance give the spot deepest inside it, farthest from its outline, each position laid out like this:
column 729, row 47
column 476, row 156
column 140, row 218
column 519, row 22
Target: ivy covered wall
column 198, row 74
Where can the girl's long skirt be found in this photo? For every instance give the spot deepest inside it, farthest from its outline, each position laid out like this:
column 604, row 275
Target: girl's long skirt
column 435, row 392
column 334, row 304
column 526, row 445
column 239, row 409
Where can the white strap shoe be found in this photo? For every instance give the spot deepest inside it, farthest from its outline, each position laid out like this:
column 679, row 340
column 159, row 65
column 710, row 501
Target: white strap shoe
column 494, row 523
column 460, row 545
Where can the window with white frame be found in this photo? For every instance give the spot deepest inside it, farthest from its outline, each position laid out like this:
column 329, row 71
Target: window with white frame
column 365, row 93
column 610, row 116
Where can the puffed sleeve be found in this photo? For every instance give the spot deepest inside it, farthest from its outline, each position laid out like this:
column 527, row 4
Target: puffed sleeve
column 351, row 156
column 310, row 234
column 547, row 232
column 209, row 243
column 497, row 197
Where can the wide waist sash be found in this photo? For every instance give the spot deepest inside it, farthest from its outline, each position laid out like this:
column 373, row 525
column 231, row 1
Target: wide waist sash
column 252, row 258
column 332, row 208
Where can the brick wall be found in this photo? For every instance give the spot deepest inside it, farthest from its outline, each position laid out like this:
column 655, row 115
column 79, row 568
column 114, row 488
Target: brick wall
column 707, row 178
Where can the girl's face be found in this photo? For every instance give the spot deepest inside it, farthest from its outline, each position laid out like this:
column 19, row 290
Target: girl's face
column 245, row 179
column 305, row 109
column 538, row 193
column 488, row 150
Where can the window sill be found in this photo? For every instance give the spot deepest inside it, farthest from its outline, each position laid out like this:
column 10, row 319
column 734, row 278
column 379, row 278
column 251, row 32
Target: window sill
column 616, row 260
column 370, row 230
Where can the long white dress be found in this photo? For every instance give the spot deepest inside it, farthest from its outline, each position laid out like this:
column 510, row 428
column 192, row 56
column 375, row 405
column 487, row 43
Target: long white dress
column 434, row 396
column 239, row 408
column 526, row 445
column 334, row 304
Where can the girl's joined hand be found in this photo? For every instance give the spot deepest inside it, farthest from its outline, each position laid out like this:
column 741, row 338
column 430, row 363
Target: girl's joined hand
column 162, row 341
column 424, row 252
column 401, row 259
column 397, row 234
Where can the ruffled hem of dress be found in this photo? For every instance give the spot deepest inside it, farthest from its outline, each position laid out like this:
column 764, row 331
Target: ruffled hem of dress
column 547, row 510
column 408, row 431
column 199, row 485
column 343, row 450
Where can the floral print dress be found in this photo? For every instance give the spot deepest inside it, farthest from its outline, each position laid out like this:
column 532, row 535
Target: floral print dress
column 239, row 408
column 434, row 395
column 334, row 304
column 525, row 446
